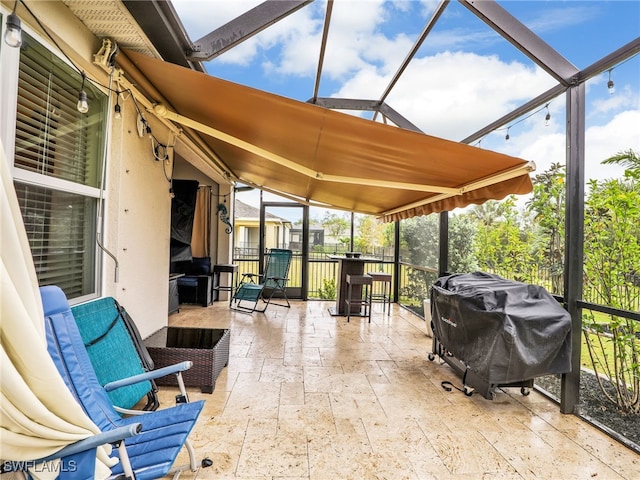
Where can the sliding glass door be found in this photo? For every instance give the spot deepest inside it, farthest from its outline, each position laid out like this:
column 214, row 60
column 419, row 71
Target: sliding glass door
column 286, row 225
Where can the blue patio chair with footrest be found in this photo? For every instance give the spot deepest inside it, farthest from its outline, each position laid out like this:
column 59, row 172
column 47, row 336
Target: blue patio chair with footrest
column 152, row 452
column 254, row 287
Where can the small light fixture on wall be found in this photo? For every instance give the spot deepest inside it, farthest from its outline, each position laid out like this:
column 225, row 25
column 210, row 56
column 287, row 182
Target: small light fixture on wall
column 13, row 33
column 117, row 112
column 83, row 104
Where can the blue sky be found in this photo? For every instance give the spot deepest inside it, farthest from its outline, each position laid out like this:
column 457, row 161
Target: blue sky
column 463, row 77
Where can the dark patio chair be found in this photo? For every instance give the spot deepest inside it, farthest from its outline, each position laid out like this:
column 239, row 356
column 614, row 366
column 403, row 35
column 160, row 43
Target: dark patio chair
column 254, row 287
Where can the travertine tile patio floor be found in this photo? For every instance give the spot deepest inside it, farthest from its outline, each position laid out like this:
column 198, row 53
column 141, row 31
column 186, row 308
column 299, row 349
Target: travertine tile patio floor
column 310, row 396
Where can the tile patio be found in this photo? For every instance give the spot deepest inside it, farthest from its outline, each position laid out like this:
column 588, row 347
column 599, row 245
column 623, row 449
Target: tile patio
column 310, row 396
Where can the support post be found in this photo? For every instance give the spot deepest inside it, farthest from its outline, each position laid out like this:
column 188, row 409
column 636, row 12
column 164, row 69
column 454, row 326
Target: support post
column 396, row 263
column 574, row 240
column 443, row 259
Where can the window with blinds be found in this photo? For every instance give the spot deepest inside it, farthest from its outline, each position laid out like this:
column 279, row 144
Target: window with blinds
column 55, row 141
column 61, row 230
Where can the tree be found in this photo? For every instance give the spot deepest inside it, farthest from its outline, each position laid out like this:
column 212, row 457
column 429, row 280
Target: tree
column 370, row 233
column 388, row 235
column 548, row 206
column 462, row 233
column 419, row 241
column 419, row 246
column 501, row 246
column 335, row 225
column 612, row 278
column 491, row 212
column 629, row 159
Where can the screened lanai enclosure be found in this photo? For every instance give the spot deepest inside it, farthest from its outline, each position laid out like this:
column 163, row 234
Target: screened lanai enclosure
column 574, row 231
column 438, row 137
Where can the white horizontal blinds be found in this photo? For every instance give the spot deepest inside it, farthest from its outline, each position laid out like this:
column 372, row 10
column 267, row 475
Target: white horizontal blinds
column 53, row 138
column 61, row 232
column 56, row 142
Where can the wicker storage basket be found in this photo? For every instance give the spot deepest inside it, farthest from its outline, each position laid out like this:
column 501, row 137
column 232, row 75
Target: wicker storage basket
column 207, row 348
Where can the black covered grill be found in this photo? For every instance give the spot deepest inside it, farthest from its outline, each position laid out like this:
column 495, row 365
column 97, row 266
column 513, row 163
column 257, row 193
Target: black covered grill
column 498, row 332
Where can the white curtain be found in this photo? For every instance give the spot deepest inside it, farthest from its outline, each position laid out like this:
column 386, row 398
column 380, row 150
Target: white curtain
column 38, row 414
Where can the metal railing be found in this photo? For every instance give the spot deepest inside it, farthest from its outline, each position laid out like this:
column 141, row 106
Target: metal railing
column 414, row 286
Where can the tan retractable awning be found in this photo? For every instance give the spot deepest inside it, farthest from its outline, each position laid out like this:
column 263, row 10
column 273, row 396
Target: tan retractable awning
column 327, row 157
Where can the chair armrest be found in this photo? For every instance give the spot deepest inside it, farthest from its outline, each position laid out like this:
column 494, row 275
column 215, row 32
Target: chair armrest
column 279, row 281
column 251, row 275
column 111, row 436
column 249, row 278
column 161, row 372
column 277, row 278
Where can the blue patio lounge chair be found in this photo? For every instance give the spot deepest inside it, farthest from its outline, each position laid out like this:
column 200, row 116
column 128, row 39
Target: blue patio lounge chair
column 149, row 454
column 116, row 350
column 254, row 287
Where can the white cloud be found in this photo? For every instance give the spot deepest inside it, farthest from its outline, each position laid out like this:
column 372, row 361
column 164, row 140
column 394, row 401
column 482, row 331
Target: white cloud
column 603, row 141
column 544, row 150
column 554, row 18
column 299, row 37
column 355, row 40
column 624, row 97
column 457, row 38
column 452, row 94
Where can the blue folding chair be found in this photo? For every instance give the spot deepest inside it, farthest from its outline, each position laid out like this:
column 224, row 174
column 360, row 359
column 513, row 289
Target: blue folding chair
column 254, row 287
column 151, row 453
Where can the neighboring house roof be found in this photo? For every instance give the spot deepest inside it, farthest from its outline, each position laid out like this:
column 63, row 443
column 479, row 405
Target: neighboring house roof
column 242, row 210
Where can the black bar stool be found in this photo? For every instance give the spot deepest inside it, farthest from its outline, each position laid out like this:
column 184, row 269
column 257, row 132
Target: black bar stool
column 218, row 269
column 383, row 292
column 360, row 296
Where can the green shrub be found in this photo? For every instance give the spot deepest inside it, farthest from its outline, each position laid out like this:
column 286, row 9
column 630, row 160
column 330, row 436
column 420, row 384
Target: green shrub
column 328, row 289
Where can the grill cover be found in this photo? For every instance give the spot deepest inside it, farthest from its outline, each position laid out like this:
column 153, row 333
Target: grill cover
column 503, row 330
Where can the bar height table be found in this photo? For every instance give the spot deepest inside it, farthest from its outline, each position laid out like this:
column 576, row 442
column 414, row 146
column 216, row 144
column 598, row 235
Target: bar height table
column 348, row 266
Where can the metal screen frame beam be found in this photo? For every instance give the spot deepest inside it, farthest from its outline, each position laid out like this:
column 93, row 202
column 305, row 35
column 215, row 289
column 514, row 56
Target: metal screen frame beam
column 524, row 40
column 396, row 118
column 366, row 105
column 346, row 103
column 323, row 47
column 242, row 28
